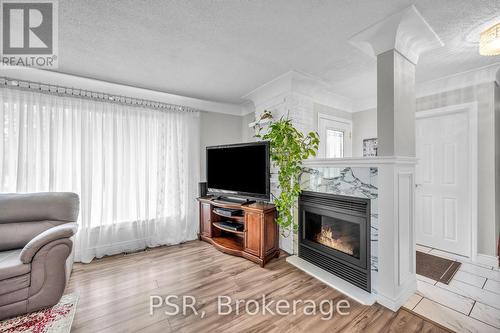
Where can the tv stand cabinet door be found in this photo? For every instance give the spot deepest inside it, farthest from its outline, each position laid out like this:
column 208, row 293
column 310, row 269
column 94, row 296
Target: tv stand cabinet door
column 253, row 232
column 205, row 221
column 271, row 233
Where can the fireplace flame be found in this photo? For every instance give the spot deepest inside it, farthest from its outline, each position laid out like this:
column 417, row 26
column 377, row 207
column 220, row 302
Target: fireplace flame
column 326, row 238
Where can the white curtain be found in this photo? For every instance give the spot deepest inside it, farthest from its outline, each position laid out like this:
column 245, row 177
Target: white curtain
column 136, row 169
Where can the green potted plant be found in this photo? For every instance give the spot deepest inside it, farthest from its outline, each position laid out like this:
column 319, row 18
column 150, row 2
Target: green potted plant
column 289, row 148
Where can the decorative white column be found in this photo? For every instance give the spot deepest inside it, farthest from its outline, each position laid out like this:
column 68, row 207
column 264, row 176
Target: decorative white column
column 397, row 43
column 395, row 104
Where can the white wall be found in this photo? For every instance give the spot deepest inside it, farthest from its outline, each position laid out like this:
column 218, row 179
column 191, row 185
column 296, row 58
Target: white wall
column 364, row 126
column 218, row 129
column 488, row 141
column 247, row 133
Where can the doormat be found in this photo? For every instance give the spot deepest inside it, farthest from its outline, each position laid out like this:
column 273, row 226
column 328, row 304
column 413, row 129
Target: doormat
column 436, row 268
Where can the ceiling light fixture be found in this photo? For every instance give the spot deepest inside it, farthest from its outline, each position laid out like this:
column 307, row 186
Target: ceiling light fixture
column 489, row 41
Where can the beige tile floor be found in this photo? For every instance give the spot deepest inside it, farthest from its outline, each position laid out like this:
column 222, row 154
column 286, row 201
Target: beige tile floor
column 469, row 303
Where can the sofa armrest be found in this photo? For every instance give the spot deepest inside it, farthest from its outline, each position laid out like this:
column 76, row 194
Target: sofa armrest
column 61, row 231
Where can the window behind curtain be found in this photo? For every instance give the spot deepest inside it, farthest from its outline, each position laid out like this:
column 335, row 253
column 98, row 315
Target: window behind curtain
column 135, row 169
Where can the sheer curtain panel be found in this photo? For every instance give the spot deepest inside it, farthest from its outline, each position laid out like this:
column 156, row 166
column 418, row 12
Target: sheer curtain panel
column 136, row 169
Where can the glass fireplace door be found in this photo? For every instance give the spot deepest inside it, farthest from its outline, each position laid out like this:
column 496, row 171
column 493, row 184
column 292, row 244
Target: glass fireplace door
column 337, row 234
column 340, row 235
column 334, row 234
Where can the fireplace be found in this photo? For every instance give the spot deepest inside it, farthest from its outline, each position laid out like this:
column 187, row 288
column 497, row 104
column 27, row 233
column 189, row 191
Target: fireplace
column 334, row 234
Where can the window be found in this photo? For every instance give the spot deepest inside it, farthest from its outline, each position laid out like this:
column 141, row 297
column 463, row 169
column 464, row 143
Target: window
column 334, row 143
column 135, row 168
column 334, row 136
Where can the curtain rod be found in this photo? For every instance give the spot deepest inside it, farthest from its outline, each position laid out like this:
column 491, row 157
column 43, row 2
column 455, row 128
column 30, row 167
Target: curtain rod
column 45, row 88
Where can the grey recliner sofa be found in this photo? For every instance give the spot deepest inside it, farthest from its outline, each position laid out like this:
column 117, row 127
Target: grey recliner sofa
column 35, row 249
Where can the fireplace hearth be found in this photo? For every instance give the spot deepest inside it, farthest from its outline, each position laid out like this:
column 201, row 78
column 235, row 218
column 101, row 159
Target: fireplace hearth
column 334, row 234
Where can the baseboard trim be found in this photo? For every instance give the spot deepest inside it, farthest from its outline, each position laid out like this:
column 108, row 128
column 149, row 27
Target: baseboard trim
column 400, row 300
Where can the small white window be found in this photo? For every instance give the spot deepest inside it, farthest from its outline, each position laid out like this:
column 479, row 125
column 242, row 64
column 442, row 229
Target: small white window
column 334, row 143
column 334, row 136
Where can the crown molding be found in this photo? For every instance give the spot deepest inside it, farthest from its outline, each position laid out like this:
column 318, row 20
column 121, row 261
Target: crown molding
column 68, row 80
column 278, row 86
column 486, row 74
column 406, row 31
column 301, row 83
column 247, row 108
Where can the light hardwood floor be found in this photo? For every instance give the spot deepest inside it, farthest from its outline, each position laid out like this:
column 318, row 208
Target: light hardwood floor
column 115, row 294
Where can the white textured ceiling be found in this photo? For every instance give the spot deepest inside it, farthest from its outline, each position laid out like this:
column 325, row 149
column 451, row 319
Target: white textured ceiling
column 222, row 49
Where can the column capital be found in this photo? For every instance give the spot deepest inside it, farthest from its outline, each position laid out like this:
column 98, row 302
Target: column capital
column 406, row 31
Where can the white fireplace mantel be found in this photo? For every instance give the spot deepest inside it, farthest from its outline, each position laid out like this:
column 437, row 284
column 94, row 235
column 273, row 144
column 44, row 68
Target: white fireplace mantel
column 355, row 162
column 396, row 233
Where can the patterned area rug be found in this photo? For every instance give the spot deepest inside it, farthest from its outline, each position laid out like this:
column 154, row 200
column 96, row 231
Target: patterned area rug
column 57, row 319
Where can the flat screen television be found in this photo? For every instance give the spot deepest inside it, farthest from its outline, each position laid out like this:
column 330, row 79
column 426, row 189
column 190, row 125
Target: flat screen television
column 239, row 170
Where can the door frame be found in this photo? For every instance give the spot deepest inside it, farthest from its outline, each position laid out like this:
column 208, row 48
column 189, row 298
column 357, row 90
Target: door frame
column 345, row 121
column 471, row 110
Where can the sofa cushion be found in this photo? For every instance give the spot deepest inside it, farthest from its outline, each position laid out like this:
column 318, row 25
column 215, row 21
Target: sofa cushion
column 17, row 235
column 11, row 265
column 14, row 297
column 15, row 283
column 21, row 207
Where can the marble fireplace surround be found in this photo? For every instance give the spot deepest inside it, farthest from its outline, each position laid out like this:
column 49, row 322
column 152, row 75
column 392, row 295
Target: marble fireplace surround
column 389, row 183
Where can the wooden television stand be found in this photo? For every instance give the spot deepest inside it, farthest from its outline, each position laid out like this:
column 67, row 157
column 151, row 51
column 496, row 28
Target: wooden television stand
column 258, row 241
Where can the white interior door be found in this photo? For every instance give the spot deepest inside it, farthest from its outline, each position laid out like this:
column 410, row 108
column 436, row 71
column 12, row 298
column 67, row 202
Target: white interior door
column 443, row 174
column 335, row 137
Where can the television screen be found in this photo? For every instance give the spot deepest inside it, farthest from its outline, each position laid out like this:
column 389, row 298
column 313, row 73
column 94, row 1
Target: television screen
column 241, row 170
